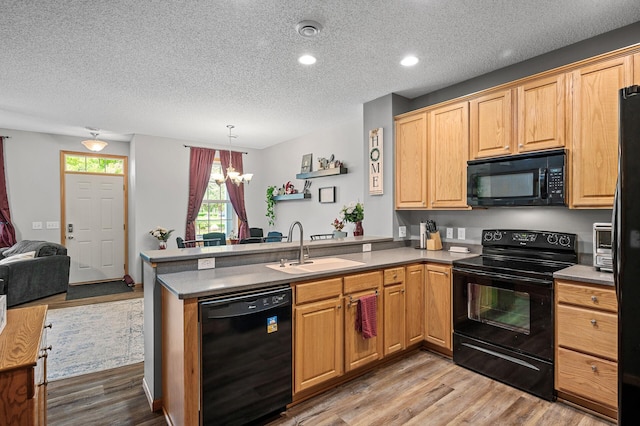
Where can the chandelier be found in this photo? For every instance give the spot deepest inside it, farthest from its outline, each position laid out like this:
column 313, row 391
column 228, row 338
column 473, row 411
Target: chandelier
column 94, row 144
column 232, row 174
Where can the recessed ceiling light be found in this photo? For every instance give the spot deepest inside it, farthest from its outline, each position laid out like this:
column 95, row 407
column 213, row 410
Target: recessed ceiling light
column 308, row 28
column 409, row 61
column 307, row 60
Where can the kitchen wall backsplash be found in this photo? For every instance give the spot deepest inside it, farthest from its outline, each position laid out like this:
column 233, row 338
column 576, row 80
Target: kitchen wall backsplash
column 560, row 219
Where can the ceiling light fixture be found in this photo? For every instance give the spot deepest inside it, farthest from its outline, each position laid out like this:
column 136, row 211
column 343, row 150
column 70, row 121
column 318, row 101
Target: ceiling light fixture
column 232, row 174
column 409, row 61
column 308, row 29
column 307, row 60
column 94, row 144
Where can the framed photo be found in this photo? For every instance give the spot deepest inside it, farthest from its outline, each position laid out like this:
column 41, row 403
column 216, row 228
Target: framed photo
column 306, row 163
column 327, row 194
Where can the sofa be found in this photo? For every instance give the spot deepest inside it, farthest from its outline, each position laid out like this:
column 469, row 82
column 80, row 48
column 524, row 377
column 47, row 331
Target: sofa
column 33, row 269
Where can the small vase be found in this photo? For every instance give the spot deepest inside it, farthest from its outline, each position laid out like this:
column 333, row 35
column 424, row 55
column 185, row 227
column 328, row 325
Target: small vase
column 358, row 230
column 339, row 234
column 162, row 245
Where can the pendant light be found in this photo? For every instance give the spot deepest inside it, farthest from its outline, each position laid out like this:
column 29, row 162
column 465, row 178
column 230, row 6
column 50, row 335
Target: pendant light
column 232, row 174
column 94, row 144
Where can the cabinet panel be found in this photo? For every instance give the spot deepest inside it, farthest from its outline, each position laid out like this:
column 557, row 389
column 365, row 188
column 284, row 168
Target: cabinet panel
column 318, row 343
column 448, row 154
column 438, row 305
column 541, row 114
column 318, row 290
column 491, row 125
column 394, row 319
column 414, row 290
column 588, row 330
column 411, row 161
column 587, row 376
column 594, row 131
column 595, row 297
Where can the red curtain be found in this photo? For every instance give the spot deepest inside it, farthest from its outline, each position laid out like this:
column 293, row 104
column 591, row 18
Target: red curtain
column 236, row 192
column 7, row 232
column 200, row 162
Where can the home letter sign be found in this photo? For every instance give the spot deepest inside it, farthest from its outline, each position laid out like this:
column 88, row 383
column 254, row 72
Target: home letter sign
column 375, row 161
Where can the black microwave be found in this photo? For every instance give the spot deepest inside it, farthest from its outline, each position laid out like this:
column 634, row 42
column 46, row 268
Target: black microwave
column 532, row 179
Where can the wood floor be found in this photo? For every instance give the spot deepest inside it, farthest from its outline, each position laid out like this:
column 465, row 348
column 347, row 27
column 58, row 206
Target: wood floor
column 422, row 389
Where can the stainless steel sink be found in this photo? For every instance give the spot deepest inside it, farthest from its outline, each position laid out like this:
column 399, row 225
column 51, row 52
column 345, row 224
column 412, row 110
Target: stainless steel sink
column 316, row 265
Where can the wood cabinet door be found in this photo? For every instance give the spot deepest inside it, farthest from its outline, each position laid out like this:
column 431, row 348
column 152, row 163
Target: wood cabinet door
column 491, row 129
column 636, row 68
column 414, row 290
column 438, row 305
column 594, row 131
column 411, row 161
column 541, row 114
column 448, row 144
column 318, row 343
column 360, row 351
column 394, row 319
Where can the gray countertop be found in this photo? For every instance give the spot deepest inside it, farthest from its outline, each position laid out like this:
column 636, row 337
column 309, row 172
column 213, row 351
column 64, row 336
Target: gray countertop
column 211, row 282
column 585, row 273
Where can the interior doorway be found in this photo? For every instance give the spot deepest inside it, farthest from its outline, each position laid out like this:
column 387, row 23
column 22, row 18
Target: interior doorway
column 94, row 212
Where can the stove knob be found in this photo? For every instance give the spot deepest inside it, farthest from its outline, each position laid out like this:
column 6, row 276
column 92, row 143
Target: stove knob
column 497, row 236
column 488, row 236
column 552, row 239
column 565, row 241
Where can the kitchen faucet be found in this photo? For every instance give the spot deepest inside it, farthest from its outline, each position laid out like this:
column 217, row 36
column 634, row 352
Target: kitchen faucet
column 301, row 255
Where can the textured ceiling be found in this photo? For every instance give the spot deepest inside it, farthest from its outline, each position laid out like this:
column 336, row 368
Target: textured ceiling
column 184, row 69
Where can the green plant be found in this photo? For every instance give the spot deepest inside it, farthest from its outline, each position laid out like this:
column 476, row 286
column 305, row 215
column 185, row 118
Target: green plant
column 272, row 191
column 352, row 212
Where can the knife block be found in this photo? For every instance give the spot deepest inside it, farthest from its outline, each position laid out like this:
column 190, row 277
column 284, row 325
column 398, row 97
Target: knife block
column 434, row 242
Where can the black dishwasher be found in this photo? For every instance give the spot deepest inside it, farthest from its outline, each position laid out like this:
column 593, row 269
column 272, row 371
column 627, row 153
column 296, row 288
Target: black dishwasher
column 246, row 356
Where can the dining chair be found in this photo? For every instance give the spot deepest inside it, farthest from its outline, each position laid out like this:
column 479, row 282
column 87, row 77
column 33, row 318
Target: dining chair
column 215, row 239
column 273, row 237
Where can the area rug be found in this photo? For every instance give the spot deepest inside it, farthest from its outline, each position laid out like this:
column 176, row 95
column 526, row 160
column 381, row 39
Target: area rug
column 98, row 289
column 90, row 338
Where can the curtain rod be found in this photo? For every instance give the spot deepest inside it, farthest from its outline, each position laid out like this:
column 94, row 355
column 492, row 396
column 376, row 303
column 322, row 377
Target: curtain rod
column 191, row 146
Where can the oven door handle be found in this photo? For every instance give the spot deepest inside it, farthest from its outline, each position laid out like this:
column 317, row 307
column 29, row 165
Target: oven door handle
column 497, row 275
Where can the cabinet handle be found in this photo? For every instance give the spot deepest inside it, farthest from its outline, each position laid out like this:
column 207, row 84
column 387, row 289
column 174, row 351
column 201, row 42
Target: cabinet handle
column 395, row 276
column 594, row 299
column 48, row 348
column 402, row 291
column 594, row 368
column 50, row 325
column 339, row 306
column 506, row 148
column 520, row 145
column 594, row 322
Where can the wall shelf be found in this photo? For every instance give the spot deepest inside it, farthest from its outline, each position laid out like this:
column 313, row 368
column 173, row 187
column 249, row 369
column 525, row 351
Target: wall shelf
column 286, row 197
column 322, row 173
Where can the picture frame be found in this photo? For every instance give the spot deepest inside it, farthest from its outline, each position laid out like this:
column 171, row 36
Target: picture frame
column 306, row 163
column 327, row 194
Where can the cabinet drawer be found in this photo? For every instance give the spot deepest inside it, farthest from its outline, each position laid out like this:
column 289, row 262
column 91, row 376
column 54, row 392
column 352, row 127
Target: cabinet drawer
column 362, row 282
column 588, row 376
column 318, row 290
column 393, row 276
column 588, row 330
column 588, row 296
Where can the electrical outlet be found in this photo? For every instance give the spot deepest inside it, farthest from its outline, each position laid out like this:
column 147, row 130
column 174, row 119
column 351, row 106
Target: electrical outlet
column 402, row 231
column 366, row 247
column 449, row 232
column 53, row 225
column 36, row 225
column 207, row 263
column 461, row 233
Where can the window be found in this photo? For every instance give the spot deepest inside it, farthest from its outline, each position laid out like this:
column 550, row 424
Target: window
column 88, row 164
column 216, row 212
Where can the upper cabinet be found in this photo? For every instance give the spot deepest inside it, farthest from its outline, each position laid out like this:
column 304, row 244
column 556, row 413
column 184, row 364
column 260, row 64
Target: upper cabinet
column 411, row 161
column 541, row 110
column 491, row 129
column 636, row 68
column 594, row 130
column 448, row 144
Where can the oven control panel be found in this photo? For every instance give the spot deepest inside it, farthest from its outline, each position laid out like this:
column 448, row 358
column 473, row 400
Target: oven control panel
column 533, row 239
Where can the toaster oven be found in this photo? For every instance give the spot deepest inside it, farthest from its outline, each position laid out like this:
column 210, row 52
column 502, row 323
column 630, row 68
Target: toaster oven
column 602, row 250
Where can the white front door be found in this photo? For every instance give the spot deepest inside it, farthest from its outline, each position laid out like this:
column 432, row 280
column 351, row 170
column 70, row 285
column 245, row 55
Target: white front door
column 94, row 226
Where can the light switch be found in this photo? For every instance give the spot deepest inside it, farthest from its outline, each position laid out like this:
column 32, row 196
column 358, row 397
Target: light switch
column 461, row 233
column 449, row 232
column 36, row 225
column 53, row 225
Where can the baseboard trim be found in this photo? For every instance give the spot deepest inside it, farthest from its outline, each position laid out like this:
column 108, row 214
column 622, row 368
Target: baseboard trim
column 155, row 405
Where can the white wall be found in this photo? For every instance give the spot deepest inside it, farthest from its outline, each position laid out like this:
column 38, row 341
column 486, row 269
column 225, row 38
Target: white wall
column 32, row 170
column 281, row 164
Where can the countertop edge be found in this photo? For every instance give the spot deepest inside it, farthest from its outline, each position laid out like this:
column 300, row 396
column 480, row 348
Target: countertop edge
column 586, row 274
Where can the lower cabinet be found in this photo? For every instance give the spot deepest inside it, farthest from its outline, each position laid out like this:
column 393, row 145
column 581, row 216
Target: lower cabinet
column 394, row 311
column 414, row 297
column 23, row 358
column 359, row 351
column 437, row 325
column 587, row 345
column 318, row 333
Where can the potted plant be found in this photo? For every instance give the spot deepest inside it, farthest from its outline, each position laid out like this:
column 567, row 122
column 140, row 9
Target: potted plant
column 272, row 191
column 354, row 212
column 338, row 225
